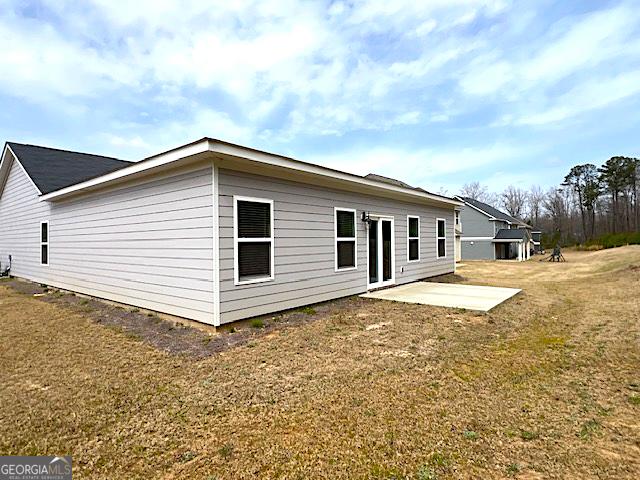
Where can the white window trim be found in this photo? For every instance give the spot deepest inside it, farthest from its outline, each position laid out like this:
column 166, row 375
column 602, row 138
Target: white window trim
column 413, row 238
column 45, row 243
column 354, row 239
column 441, row 238
column 271, row 239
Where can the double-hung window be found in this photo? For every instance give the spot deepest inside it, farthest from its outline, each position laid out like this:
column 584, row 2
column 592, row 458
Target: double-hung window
column 441, row 239
column 345, row 238
column 253, row 240
column 44, row 243
column 413, row 238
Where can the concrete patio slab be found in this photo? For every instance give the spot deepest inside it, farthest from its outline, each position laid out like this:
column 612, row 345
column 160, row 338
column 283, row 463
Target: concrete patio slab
column 469, row 297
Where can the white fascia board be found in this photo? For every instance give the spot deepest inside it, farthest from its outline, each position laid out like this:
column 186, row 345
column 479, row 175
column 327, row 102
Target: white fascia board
column 508, row 240
column 303, row 167
column 224, row 148
column 476, row 239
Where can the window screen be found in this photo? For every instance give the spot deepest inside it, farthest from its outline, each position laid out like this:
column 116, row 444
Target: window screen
column 345, row 239
column 254, row 219
column 413, row 235
column 442, row 240
column 254, row 237
column 44, row 243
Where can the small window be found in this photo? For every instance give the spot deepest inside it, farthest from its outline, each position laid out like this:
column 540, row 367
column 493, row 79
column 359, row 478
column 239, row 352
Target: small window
column 413, row 238
column 345, row 238
column 44, row 243
column 441, row 237
column 457, row 219
column 254, row 256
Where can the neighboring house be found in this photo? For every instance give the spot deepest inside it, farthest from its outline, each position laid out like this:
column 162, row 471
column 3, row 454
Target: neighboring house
column 213, row 231
column 536, row 240
column 490, row 234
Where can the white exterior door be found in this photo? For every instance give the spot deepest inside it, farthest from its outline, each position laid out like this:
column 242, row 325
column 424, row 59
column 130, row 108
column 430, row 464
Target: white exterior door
column 381, row 249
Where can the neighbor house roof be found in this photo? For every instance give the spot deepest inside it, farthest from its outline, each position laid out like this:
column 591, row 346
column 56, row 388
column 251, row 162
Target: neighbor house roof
column 51, row 169
column 492, row 211
column 235, row 154
column 389, row 180
column 511, row 234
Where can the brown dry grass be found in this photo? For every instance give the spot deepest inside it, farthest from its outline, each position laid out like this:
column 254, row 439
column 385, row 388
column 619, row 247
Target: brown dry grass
column 545, row 386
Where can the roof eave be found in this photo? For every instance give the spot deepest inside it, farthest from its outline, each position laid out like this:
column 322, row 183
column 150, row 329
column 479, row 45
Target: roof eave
column 220, row 147
column 225, row 148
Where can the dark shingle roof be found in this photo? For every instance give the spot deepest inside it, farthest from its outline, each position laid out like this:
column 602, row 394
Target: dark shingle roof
column 511, row 234
column 400, row 183
column 389, row 180
column 494, row 212
column 52, row 169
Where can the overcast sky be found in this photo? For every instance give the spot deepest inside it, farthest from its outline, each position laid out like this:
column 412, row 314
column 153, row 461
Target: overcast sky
column 436, row 93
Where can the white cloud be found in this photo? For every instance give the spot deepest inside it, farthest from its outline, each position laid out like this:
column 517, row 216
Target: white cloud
column 273, row 71
column 595, row 93
column 580, row 50
column 422, row 167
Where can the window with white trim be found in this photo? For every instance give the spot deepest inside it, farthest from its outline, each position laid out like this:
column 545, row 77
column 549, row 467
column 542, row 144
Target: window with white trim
column 345, row 238
column 44, row 243
column 413, row 238
column 253, row 240
column 441, row 237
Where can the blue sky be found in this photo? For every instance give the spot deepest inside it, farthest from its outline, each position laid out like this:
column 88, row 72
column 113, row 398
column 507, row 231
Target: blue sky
column 437, row 93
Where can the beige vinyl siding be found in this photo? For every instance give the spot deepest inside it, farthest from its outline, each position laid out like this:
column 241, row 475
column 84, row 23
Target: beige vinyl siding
column 304, row 244
column 148, row 243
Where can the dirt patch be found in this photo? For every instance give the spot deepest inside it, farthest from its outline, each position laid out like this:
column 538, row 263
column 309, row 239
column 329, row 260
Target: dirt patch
column 175, row 337
column 448, row 278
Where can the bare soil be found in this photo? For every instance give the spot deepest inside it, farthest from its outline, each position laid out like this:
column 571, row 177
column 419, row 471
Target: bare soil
column 547, row 385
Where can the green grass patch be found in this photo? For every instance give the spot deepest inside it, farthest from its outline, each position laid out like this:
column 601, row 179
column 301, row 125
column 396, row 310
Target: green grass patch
column 257, row 323
column 634, row 399
column 589, row 428
column 307, row 310
column 527, row 435
column 425, row 472
column 226, row 450
column 513, row 469
column 470, row 435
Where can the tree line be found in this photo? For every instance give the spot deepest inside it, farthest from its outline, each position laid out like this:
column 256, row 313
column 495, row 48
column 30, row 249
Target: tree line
column 590, row 202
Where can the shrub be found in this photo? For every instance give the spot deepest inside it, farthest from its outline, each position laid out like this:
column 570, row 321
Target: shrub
column 612, row 240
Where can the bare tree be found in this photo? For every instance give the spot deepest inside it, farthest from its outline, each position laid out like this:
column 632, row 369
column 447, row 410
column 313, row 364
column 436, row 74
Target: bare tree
column 535, row 199
column 478, row 192
column 474, row 190
column 513, row 200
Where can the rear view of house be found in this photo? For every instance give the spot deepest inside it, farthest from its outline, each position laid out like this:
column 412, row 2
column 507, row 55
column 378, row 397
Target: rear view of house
column 490, row 234
column 213, row 231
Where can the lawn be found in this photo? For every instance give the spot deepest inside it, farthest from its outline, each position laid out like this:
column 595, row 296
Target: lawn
column 547, row 385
